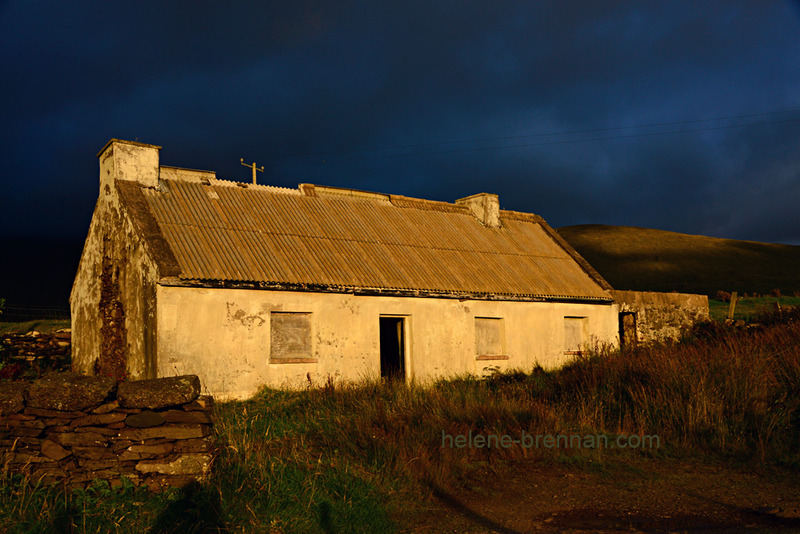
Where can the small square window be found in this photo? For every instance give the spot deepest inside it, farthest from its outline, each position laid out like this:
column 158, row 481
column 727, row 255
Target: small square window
column 290, row 338
column 489, row 339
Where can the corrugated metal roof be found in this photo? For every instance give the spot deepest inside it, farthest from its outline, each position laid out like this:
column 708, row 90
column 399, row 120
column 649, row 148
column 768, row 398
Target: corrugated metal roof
column 263, row 234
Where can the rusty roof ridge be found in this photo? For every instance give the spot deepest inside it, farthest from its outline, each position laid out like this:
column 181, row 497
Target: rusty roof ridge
column 426, row 204
column 256, row 187
column 521, row 216
column 206, row 171
column 332, row 192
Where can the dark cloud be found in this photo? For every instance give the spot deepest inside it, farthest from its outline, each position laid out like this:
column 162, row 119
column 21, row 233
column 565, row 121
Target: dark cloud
column 213, row 83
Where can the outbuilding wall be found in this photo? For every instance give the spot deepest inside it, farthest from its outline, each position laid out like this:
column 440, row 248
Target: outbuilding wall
column 662, row 316
column 223, row 336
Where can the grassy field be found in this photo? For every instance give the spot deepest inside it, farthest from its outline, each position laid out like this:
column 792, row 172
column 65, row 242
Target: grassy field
column 747, row 308
column 39, row 325
column 367, row 457
column 655, row 260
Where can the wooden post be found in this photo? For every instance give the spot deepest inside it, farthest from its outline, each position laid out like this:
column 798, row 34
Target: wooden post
column 732, row 307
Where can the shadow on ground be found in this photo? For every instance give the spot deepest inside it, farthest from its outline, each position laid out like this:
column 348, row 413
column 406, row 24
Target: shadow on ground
column 196, row 510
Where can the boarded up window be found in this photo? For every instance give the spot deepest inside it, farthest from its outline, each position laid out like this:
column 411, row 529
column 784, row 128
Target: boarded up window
column 290, row 338
column 489, row 338
column 574, row 328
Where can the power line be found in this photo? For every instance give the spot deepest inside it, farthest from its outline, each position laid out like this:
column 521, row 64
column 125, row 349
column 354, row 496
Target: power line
column 561, row 142
column 537, row 135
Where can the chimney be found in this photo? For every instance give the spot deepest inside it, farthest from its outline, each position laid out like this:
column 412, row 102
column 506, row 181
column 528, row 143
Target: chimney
column 128, row 160
column 485, row 207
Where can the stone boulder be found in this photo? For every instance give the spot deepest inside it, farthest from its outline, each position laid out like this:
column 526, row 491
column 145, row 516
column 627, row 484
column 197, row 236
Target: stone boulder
column 159, row 392
column 145, row 419
column 198, row 464
column 69, row 391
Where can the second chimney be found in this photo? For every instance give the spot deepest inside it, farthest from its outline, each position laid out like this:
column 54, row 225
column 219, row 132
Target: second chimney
column 485, row 207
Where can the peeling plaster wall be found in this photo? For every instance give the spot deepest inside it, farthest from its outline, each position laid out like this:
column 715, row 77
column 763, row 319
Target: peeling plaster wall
column 662, row 316
column 223, row 336
column 114, row 254
column 85, row 300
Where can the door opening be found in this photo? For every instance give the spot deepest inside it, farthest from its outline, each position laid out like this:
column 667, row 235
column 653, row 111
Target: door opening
column 393, row 365
column 627, row 329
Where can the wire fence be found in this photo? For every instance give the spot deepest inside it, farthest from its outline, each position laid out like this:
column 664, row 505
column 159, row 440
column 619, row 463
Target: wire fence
column 21, row 314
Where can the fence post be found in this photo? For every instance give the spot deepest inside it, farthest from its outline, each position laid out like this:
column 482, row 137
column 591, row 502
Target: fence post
column 732, row 306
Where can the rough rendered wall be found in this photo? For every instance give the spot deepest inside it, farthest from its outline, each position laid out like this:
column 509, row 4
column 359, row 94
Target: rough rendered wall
column 85, row 302
column 223, row 336
column 112, row 300
column 662, row 316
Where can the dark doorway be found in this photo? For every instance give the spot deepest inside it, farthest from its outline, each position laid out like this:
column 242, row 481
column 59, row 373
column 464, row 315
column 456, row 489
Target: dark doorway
column 627, row 329
column 392, row 353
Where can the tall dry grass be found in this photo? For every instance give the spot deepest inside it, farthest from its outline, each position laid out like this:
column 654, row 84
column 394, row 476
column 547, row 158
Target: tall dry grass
column 727, row 393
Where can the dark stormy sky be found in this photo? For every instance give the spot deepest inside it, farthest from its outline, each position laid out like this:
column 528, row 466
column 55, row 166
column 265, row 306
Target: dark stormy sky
column 678, row 115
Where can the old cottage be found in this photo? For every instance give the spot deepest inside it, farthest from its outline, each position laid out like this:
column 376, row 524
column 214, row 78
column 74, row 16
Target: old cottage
column 248, row 285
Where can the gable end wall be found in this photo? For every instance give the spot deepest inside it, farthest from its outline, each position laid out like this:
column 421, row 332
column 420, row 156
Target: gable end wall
column 112, row 302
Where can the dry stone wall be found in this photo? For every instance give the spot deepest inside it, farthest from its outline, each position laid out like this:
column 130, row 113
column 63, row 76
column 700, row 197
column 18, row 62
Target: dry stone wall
column 71, row 428
column 34, row 353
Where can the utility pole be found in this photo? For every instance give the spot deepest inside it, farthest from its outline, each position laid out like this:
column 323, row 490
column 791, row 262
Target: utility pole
column 253, row 166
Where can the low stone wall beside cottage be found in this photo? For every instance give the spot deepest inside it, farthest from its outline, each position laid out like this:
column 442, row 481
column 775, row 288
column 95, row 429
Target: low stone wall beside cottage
column 34, row 352
column 71, row 428
column 647, row 316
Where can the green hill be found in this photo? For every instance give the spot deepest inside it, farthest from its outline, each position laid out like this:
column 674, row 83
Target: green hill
column 657, row 260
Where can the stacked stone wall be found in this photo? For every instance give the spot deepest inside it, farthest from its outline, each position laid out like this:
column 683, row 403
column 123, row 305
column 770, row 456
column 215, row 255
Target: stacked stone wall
column 34, row 354
column 73, row 429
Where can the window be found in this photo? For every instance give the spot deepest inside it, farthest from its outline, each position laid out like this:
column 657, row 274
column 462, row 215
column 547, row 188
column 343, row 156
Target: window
column 489, row 339
column 290, row 338
column 574, row 334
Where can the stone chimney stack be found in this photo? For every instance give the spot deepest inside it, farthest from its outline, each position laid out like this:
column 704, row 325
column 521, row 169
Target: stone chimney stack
column 128, row 160
column 485, row 207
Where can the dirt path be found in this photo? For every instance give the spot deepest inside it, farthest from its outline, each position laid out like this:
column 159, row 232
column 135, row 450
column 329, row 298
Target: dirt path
column 639, row 495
